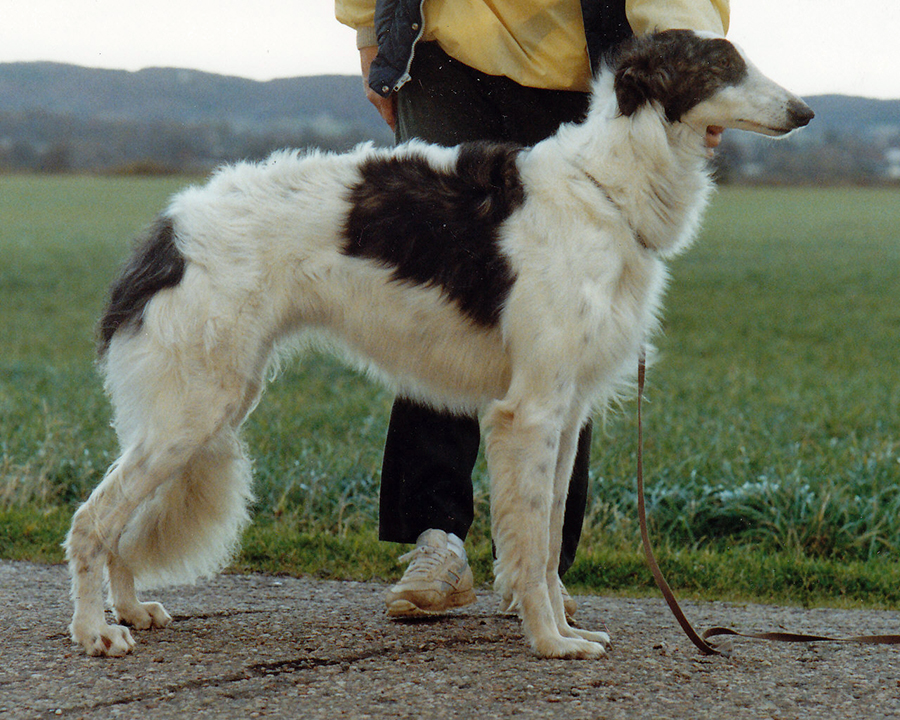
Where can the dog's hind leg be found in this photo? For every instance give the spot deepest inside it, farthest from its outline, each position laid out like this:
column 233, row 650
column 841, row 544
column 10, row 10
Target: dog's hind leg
column 123, row 598
column 93, row 539
column 523, row 448
column 171, row 507
column 189, row 527
column 170, row 514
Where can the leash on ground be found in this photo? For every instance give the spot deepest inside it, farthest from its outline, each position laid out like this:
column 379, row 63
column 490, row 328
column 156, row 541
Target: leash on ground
column 700, row 640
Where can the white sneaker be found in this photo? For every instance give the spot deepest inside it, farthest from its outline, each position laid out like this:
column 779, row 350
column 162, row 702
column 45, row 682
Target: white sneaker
column 438, row 578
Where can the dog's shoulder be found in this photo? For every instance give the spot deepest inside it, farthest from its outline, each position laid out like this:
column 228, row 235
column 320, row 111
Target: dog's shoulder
column 433, row 216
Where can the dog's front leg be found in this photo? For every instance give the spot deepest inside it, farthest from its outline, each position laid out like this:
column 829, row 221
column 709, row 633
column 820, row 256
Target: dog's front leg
column 568, row 448
column 522, row 452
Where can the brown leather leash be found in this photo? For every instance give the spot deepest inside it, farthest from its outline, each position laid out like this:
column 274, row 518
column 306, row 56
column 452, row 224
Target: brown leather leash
column 701, row 640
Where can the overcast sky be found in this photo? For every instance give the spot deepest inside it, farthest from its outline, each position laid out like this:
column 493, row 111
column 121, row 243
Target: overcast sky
column 811, row 46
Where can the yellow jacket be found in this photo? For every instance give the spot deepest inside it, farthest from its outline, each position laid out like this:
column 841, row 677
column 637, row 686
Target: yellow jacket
column 537, row 43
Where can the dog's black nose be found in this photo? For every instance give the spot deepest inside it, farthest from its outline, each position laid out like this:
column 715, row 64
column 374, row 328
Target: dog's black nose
column 800, row 113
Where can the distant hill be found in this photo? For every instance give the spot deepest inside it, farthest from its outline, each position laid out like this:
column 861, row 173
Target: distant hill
column 185, row 96
column 66, row 117
column 842, row 113
column 59, row 117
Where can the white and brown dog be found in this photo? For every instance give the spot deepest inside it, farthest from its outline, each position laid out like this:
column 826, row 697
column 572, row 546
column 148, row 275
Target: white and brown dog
column 520, row 283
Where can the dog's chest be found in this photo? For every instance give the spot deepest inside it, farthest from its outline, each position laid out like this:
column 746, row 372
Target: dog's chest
column 615, row 309
column 605, row 315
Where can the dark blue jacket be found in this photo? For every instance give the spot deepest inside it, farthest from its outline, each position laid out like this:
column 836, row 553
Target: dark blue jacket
column 398, row 27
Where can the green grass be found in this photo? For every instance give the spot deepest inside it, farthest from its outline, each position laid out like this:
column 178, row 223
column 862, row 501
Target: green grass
column 773, row 421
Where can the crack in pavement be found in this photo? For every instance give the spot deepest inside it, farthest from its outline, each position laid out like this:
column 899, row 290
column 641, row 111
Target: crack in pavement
column 219, row 614
column 275, row 668
column 285, row 667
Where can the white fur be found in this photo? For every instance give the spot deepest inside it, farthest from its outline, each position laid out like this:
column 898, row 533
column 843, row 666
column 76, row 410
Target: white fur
column 264, row 269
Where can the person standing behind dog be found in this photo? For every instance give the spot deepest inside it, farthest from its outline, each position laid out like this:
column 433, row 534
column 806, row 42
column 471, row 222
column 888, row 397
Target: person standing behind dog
column 453, row 71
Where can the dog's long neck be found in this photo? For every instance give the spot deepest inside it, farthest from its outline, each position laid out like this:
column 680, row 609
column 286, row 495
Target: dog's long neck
column 654, row 173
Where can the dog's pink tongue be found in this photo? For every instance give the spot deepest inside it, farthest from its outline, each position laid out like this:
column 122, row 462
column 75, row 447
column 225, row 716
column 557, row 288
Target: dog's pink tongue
column 714, row 135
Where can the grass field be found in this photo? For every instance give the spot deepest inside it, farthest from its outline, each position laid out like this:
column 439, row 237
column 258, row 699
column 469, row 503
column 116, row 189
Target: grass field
column 773, row 422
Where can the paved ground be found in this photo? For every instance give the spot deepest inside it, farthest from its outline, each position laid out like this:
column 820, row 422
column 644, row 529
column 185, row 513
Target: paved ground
column 263, row 646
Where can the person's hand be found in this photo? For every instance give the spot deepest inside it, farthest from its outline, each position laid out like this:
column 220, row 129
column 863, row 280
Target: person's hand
column 386, row 106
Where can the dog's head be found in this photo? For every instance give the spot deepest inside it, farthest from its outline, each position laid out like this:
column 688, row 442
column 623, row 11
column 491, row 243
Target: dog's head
column 701, row 79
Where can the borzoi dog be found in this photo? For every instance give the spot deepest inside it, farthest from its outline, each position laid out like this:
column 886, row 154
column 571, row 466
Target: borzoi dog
column 517, row 283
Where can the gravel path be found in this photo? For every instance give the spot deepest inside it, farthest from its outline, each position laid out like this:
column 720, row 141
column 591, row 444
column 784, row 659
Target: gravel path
column 245, row 646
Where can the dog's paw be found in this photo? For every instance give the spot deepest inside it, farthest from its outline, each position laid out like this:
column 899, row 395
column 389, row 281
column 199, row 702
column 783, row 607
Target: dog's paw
column 143, row 616
column 563, row 647
column 598, row 637
column 105, row 641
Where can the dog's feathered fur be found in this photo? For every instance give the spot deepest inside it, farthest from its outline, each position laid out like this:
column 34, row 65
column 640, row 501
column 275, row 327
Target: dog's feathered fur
column 521, row 283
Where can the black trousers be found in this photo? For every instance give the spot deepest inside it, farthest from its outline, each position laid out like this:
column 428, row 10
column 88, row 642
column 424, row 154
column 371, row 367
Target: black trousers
column 426, row 479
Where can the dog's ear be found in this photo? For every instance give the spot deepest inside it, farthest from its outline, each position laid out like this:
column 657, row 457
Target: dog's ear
column 639, row 80
column 643, row 74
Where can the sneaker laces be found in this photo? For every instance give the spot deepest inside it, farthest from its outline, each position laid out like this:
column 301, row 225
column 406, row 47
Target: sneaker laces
column 424, row 560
